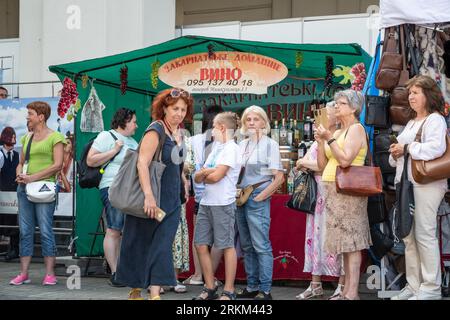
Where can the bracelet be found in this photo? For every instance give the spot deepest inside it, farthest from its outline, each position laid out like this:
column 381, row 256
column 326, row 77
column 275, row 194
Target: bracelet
column 329, row 142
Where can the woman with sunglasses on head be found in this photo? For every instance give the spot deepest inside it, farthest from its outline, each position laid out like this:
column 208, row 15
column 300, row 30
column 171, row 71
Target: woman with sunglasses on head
column 110, row 146
column 146, row 259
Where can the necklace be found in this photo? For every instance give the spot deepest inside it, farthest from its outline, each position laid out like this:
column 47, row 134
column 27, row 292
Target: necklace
column 169, row 128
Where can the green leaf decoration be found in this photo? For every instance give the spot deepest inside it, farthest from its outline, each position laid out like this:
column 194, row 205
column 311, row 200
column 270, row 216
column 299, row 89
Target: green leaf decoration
column 343, row 71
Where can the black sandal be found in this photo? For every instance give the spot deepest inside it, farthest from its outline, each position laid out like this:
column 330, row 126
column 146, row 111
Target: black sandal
column 212, row 294
column 229, row 295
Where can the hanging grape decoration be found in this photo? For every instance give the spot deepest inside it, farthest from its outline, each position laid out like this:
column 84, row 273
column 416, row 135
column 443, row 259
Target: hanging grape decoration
column 211, row 52
column 298, row 59
column 329, row 65
column 359, row 73
column 123, row 79
column 154, row 76
column 69, row 96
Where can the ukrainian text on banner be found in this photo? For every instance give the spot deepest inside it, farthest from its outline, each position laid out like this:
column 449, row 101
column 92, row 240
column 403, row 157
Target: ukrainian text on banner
column 289, row 99
column 223, row 72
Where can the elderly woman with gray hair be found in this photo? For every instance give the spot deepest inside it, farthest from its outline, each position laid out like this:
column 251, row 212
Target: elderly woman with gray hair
column 263, row 170
column 347, row 221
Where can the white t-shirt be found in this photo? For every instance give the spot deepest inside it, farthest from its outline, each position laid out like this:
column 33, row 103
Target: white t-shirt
column 223, row 193
column 105, row 142
column 198, row 149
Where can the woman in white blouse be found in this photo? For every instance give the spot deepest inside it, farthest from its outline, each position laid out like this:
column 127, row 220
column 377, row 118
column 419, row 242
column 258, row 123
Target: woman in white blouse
column 423, row 269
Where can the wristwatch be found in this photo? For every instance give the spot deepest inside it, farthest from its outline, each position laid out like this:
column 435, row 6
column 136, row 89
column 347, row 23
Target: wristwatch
column 329, row 142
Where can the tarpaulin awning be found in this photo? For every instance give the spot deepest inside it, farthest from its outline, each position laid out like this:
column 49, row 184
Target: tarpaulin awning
column 106, row 70
column 139, row 94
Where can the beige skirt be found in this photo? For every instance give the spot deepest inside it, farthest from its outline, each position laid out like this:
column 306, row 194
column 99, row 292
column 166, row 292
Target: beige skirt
column 347, row 222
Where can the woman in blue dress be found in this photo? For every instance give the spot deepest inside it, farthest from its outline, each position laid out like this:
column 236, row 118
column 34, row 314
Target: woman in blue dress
column 146, row 259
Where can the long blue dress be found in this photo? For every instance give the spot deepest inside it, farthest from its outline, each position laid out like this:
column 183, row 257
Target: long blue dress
column 146, row 251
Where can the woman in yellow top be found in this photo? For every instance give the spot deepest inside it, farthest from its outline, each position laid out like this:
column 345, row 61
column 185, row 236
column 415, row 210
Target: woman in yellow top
column 347, row 221
column 46, row 160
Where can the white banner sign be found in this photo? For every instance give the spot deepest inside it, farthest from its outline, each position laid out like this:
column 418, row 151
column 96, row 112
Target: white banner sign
column 9, row 205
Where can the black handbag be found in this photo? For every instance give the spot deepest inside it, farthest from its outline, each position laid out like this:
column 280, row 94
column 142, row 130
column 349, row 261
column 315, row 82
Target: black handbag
column 376, row 209
column 305, row 193
column 403, row 213
column 381, row 243
column 381, row 144
column 377, row 111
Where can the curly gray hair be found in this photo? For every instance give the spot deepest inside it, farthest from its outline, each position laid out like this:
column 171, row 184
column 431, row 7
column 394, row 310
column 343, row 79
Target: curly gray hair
column 354, row 98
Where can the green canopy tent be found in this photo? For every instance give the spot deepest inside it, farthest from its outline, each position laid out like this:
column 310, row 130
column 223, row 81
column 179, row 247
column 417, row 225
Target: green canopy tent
column 105, row 72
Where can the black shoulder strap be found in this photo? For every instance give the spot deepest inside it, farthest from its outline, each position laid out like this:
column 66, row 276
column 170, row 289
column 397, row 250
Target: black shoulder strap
column 27, row 153
column 112, row 159
column 162, row 139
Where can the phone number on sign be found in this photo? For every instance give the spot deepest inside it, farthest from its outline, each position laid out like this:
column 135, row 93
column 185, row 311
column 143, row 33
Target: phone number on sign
column 247, row 83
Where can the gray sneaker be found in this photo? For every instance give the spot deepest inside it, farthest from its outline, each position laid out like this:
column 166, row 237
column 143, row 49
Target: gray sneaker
column 405, row 294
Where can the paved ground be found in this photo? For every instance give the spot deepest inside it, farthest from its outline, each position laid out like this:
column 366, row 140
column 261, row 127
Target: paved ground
column 96, row 288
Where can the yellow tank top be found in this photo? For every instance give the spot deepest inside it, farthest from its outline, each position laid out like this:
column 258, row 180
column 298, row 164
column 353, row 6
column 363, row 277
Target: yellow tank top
column 329, row 174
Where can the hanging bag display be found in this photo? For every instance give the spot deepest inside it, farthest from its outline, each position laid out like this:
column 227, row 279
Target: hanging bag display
column 361, row 181
column 126, row 193
column 377, row 107
column 403, row 212
column 432, row 170
column 377, row 111
column 400, row 111
column 91, row 115
column 305, row 193
column 38, row 191
column 388, row 73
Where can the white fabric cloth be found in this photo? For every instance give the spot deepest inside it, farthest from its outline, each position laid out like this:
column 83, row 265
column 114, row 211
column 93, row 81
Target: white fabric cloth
column 433, row 145
column 223, row 192
column 396, row 12
column 2, row 159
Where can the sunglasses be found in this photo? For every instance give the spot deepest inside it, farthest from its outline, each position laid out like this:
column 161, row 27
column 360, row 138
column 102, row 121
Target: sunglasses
column 176, row 93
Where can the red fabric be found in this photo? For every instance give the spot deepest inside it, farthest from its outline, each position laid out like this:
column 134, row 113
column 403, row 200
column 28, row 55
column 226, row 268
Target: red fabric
column 287, row 234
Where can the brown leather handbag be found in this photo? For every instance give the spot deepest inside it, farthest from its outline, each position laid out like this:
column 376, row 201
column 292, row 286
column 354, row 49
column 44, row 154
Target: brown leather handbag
column 432, row 170
column 388, row 73
column 363, row 181
column 400, row 110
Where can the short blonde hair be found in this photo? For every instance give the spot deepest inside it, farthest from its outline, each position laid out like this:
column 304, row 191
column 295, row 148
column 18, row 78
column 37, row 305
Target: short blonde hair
column 258, row 111
column 229, row 119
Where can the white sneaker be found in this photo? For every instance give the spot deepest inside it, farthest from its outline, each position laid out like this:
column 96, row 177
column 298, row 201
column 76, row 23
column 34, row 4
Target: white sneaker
column 421, row 295
column 405, row 294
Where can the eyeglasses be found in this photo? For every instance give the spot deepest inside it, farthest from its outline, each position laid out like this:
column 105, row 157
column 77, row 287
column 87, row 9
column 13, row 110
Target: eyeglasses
column 339, row 103
column 3, row 95
column 176, row 93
